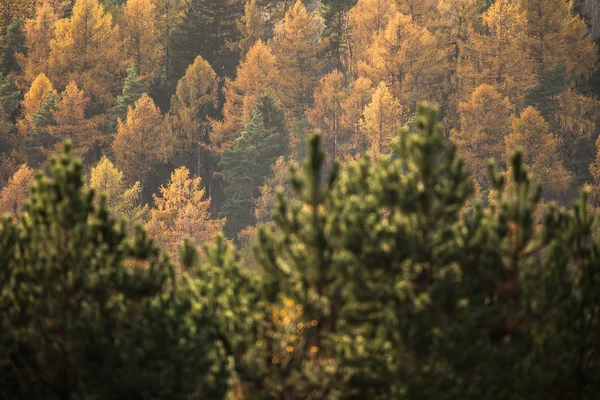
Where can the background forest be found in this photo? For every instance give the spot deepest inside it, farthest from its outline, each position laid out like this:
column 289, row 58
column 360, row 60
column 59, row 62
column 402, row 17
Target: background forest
column 188, row 113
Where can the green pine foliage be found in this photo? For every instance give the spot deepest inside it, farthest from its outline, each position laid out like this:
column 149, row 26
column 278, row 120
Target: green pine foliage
column 208, row 28
column 91, row 313
column 133, row 89
column 246, row 166
column 10, row 96
column 549, row 84
column 13, row 43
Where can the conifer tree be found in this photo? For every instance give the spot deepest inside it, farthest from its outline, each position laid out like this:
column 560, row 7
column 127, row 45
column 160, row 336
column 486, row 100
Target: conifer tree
column 10, row 96
column 109, row 312
column 245, row 168
column 141, row 39
column 13, row 43
column 381, row 122
column 544, row 95
column 133, row 88
column 13, row 195
column 208, row 29
column 336, row 31
column 251, row 27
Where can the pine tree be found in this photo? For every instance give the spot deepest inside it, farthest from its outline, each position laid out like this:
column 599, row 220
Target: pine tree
column 10, row 96
column 245, row 168
column 13, row 43
column 544, row 95
column 336, row 31
column 109, row 312
column 207, row 29
column 133, row 88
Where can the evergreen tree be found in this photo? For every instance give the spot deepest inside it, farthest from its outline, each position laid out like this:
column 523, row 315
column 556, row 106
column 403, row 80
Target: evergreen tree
column 13, row 43
column 336, row 30
column 549, row 84
column 208, row 29
column 10, row 96
column 245, row 167
column 133, row 88
column 89, row 312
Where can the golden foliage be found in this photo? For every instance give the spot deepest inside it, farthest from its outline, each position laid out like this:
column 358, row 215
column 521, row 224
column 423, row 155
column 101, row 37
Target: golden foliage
column 14, row 193
column 381, row 122
column 39, row 91
column 140, row 34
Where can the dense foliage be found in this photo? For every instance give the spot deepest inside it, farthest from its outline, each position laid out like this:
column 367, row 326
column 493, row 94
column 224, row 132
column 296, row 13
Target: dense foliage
column 386, row 280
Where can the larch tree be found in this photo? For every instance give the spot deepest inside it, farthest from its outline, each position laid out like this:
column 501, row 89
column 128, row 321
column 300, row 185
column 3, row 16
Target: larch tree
column 405, row 56
column 359, row 96
column 296, row 47
column 71, row 122
column 11, row 10
column 13, row 195
column 39, row 32
column 182, row 210
column 251, row 27
column 192, row 104
column 256, row 74
column 87, row 50
column 124, row 201
column 530, row 132
column 421, row 11
column 327, row 110
column 367, row 18
column 141, row 144
column 381, row 121
column 556, row 34
column 140, row 35
column 245, row 168
column 166, row 16
column 484, row 121
column 499, row 56
column 40, row 89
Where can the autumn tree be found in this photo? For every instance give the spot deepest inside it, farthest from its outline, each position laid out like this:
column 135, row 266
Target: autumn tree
column 251, row 27
column 192, row 104
column 484, row 121
column 39, row 91
column 381, row 122
column 11, row 10
column 87, row 51
column 359, row 96
column 12, row 196
column 499, row 56
column 367, row 18
column 540, row 149
column 406, row 57
column 207, row 28
column 71, row 122
column 141, row 144
column 121, row 199
column 556, row 34
column 245, row 168
column 167, row 13
column 326, row 113
column 141, row 38
column 39, row 32
column 296, row 48
column 256, row 74
column 336, row 31
column 182, row 210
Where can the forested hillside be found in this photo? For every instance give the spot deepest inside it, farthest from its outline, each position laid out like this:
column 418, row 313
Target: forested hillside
column 294, row 199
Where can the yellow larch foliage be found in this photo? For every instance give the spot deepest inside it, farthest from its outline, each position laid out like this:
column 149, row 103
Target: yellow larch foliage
column 141, row 37
column 264, row 205
column 381, row 121
column 87, row 50
column 72, row 123
column 196, row 95
column 484, row 121
column 39, row 32
column 365, row 19
column 359, row 96
column 296, row 47
column 556, row 33
column 14, row 193
column 499, row 57
column 252, row 26
column 540, row 149
column 123, row 200
column 326, row 113
column 256, row 74
column 421, row 11
column 141, row 143
column 39, row 91
column 181, row 210
column 405, row 56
